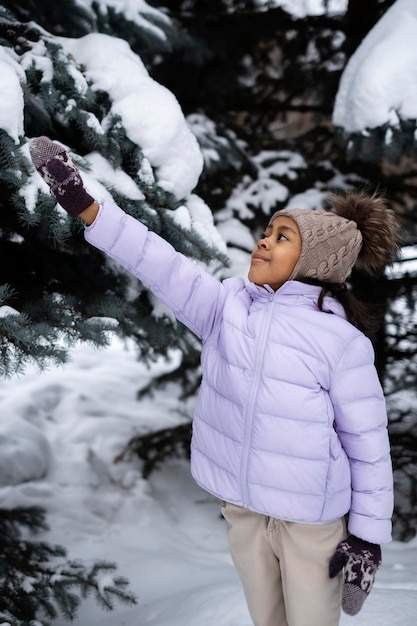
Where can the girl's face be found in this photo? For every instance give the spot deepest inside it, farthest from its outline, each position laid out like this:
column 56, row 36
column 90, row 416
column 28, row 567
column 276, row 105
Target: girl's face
column 276, row 254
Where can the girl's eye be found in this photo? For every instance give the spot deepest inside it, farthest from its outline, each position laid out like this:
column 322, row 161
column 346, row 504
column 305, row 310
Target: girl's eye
column 279, row 236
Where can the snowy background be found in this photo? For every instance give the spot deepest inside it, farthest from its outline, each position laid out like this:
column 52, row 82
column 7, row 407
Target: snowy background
column 65, row 427
column 62, row 429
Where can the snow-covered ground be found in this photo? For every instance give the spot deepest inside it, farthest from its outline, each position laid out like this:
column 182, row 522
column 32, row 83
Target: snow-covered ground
column 61, row 430
column 164, row 533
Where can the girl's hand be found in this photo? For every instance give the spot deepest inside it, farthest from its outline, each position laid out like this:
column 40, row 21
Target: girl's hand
column 361, row 561
column 63, row 177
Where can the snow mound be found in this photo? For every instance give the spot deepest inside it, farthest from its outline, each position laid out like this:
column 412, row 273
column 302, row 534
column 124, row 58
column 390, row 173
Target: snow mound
column 25, row 452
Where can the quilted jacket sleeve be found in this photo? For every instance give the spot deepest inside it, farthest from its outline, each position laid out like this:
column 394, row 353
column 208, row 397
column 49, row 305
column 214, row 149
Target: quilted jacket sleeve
column 194, row 296
column 361, row 423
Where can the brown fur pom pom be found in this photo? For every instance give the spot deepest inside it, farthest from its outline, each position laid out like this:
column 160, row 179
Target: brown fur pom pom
column 378, row 224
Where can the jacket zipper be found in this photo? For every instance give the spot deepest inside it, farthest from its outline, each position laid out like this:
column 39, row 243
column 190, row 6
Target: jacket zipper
column 252, row 399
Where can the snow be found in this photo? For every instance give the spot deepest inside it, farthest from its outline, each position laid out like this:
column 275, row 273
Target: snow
column 379, row 83
column 133, row 10
column 150, row 113
column 301, row 8
column 11, row 101
column 165, row 534
column 62, row 430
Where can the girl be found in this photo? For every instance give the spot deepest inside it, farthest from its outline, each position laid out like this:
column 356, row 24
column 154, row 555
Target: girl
column 290, row 426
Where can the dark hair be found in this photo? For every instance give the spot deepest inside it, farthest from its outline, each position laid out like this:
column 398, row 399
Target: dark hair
column 360, row 314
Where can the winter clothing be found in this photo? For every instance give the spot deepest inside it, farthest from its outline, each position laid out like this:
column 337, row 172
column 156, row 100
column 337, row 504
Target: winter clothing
column 277, row 560
column 61, row 174
column 330, row 245
column 290, row 426
column 290, row 419
column 361, row 561
column 359, row 231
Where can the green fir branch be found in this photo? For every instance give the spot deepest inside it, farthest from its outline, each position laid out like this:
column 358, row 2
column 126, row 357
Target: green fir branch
column 37, row 581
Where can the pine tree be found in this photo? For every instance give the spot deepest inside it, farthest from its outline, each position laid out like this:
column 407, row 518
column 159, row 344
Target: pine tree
column 257, row 88
column 57, row 286
column 55, row 290
column 37, row 581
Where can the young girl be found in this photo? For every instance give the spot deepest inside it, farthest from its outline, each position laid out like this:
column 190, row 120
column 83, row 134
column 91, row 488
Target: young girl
column 290, row 426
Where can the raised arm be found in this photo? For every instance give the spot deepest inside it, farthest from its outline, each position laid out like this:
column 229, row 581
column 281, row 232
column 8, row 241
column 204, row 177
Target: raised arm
column 194, row 295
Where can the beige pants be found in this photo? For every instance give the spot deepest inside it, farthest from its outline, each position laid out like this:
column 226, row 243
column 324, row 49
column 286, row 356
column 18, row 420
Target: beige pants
column 283, row 567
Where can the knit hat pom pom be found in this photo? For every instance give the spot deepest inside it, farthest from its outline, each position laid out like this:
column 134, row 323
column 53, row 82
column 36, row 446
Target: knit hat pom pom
column 377, row 223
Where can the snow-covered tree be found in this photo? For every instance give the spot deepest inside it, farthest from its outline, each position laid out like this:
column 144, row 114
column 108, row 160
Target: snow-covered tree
column 200, row 118
column 130, row 139
column 375, row 107
column 38, row 583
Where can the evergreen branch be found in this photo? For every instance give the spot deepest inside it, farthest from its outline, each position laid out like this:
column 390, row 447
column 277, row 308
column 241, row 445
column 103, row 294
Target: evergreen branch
column 34, row 580
column 32, row 517
column 21, row 341
column 9, row 158
column 156, row 447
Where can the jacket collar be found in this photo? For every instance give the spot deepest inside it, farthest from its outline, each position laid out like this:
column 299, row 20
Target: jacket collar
column 295, row 290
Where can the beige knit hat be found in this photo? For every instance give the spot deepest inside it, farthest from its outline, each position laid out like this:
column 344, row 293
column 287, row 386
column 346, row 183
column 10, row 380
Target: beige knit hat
column 358, row 230
column 330, row 245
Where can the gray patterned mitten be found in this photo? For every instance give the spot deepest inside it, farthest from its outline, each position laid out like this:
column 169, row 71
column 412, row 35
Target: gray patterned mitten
column 361, row 561
column 61, row 174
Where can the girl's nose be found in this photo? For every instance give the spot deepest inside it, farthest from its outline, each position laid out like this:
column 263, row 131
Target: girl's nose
column 262, row 243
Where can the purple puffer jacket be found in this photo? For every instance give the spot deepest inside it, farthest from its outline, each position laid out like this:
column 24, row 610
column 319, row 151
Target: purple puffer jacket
column 290, row 419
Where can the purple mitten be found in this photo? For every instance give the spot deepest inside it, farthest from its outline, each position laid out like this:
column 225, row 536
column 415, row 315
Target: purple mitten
column 61, row 174
column 361, row 561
